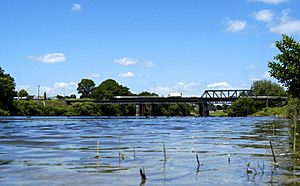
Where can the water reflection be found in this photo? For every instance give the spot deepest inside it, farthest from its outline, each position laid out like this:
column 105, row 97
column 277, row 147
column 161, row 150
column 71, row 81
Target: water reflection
column 68, row 150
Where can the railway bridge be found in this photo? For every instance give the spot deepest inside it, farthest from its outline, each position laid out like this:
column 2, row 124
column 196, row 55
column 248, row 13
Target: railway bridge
column 200, row 103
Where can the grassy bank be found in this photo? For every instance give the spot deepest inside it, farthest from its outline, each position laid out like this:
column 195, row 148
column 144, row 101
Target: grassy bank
column 274, row 111
column 218, row 113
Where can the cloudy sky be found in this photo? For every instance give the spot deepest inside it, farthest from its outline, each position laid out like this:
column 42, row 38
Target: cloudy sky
column 155, row 45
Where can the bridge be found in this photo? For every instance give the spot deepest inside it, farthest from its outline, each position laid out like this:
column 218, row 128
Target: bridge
column 201, row 103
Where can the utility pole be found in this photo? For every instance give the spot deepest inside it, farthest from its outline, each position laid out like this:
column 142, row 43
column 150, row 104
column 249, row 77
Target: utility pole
column 38, row 92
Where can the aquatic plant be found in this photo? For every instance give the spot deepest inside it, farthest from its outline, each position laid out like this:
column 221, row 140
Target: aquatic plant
column 97, row 150
column 165, row 153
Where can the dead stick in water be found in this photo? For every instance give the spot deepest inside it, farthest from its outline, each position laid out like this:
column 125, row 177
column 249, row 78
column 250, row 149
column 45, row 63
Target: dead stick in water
column 165, row 154
column 143, row 175
column 274, row 158
column 197, row 158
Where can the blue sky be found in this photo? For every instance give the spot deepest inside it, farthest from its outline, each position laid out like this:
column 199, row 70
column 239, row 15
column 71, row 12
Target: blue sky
column 155, row 45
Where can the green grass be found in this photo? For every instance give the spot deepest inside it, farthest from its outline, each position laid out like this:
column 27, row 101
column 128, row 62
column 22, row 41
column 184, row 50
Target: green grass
column 218, row 113
column 275, row 111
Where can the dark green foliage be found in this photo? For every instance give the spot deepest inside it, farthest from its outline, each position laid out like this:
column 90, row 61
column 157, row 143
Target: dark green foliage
column 146, row 93
column 108, row 89
column 267, row 88
column 293, row 107
column 85, row 88
column 7, row 92
column 23, row 93
column 84, row 109
column 38, row 108
column 245, row 107
column 73, row 96
column 28, row 108
column 242, row 107
column 176, row 110
column 286, row 68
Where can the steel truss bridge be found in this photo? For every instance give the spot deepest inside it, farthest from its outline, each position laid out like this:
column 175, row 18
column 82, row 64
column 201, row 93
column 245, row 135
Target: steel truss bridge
column 208, row 97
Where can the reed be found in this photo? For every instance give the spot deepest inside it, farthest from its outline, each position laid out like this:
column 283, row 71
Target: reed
column 295, row 120
column 273, row 154
column 119, row 149
column 228, row 159
column 198, row 162
column 165, row 153
column 97, row 150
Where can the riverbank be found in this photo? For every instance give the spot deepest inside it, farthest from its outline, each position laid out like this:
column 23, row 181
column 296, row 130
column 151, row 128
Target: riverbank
column 273, row 111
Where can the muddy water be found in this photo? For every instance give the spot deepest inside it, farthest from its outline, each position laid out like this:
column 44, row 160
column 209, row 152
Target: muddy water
column 63, row 151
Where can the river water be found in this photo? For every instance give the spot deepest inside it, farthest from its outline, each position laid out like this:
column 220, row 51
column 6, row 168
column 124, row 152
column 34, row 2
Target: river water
column 63, row 151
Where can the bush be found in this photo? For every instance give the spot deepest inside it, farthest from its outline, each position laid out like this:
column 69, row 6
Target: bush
column 274, row 111
column 4, row 113
column 293, row 107
column 242, row 107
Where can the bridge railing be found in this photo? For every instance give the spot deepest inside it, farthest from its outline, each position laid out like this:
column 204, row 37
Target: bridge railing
column 226, row 94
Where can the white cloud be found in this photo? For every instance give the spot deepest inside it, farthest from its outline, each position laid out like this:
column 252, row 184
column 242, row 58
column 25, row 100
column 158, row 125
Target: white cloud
column 250, row 68
column 266, row 75
column 219, row 85
column 49, row 58
column 287, row 25
column 264, row 15
column 20, row 87
column 187, row 88
column 235, row 25
column 94, row 75
column 149, row 64
column 61, row 85
column 127, row 75
column 126, row 61
column 270, row 1
column 76, row 7
column 58, row 88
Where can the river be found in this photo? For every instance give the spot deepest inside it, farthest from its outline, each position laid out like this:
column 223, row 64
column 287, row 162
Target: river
column 112, row 150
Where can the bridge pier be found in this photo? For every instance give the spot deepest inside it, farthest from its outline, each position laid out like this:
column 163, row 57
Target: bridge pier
column 202, row 109
column 139, row 110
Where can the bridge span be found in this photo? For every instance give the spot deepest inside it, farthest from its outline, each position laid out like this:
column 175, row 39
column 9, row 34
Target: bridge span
column 200, row 103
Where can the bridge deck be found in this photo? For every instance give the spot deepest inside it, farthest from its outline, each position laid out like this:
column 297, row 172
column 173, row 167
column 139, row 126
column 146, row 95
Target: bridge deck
column 181, row 100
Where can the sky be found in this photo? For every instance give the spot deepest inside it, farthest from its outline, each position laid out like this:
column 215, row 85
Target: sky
column 161, row 46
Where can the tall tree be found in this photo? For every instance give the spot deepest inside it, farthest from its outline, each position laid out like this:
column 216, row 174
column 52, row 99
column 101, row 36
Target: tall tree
column 110, row 88
column 7, row 90
column 146, row 93
column 85, row 88
column 23, row 93
column 267, row 88
column 286, row 68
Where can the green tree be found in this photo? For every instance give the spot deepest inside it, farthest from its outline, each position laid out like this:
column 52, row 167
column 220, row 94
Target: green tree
column 242, row 107
column 146, row 93
column 108, row 89
column 267, row 88
column 85, row 88
column 286, row 68
column 23, row 93
column 7, row 90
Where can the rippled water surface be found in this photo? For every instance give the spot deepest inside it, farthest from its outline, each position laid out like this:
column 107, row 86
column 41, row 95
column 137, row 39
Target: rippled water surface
column 62, row 151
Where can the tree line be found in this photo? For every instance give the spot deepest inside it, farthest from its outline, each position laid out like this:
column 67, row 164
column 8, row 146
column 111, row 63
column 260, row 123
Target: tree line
column 106, row 90
column 285, row 69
